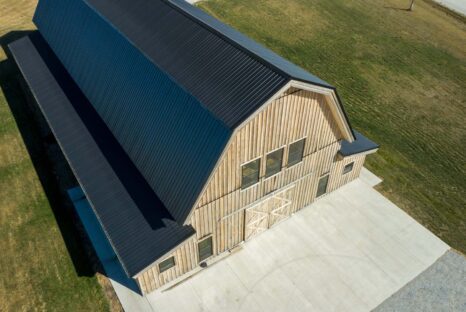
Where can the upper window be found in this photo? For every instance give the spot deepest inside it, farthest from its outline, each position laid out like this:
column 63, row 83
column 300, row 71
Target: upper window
column 166, row 264
column 250, row 173
column 205, row 249
column 295, row 152
column 274, row 163
column 348, row 168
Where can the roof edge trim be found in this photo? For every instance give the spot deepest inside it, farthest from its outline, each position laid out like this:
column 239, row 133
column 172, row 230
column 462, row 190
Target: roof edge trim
column 366, row 152
column 337, row 108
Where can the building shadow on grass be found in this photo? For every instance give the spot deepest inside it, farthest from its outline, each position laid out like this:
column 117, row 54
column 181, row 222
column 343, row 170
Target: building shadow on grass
column 50, row 165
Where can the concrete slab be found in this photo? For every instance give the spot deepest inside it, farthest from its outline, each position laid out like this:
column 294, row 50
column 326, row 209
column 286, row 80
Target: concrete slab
column 349, row 251
column 369, row 178
column 455, row 5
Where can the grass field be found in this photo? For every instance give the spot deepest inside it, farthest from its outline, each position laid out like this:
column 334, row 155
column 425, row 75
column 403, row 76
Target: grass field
column 402, row 76
column 37, row 272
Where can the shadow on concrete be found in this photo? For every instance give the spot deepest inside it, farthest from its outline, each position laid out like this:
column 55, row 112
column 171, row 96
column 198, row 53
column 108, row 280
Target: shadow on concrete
column 54, row 174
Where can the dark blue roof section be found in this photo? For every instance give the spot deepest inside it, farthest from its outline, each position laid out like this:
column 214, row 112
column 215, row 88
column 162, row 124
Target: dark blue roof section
column 199, row 54
column 268, row 57
column 360, row 145
column 138, row 225
column 171, row 137
column 170, row 82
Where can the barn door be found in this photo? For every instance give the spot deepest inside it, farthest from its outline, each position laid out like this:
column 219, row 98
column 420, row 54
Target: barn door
column 280, row 206
column 267, row 213
column 256, row 220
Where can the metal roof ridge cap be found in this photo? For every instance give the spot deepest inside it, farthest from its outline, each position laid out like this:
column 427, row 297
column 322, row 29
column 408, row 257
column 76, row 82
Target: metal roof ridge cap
column 152, row 61
column 205, row 25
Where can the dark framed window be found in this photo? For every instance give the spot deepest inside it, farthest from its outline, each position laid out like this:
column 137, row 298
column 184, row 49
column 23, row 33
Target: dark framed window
column 250, row 173
column 166, row 264
column 322, row 186
column 273, row 163
column 205, row 248
column 348, row 168
column 295, row 152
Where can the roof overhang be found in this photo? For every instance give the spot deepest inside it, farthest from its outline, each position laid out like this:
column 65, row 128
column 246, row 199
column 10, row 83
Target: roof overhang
column 359, row 147
column 134, row 220
column 334, row 102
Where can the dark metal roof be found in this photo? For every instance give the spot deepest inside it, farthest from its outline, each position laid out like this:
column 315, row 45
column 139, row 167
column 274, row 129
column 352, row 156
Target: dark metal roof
column 230, row 74
column 134, row 219
column 169, row 81
column 226, row 79
column 360, row 145
column 173, row 140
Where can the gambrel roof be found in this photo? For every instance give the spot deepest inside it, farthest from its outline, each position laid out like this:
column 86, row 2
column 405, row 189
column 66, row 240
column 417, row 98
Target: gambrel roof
column 171, row 84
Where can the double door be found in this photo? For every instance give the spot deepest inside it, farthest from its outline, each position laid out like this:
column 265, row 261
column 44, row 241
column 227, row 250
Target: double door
column 268, row 212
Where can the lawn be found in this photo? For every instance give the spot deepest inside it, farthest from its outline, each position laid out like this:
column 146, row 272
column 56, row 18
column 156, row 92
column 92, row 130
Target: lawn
column 37, row 271
column 402, row 76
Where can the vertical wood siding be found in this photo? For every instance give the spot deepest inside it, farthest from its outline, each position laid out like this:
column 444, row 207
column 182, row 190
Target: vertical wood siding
column 185, row 260
column 221, row 210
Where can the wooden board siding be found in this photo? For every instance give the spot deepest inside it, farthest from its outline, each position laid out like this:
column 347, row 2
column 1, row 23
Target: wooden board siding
column 287, row 119
column 222, row 208
column 185, row 260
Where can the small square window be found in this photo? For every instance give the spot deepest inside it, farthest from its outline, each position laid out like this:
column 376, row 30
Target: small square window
column 250, row 173
column 205, row 249
column 166, row 264
column 295, row 152
column 348, row 168
column 274, row 163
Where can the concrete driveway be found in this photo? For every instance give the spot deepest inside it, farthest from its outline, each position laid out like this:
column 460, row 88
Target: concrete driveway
column 349, row 251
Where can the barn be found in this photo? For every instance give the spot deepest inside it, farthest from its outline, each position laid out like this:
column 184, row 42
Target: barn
column 187, row 138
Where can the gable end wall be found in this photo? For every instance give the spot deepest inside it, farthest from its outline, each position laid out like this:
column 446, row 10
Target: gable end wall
column 220, row 211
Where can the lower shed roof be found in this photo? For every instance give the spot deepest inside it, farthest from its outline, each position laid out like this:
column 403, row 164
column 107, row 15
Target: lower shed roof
column 137, row 224
column 361, row 144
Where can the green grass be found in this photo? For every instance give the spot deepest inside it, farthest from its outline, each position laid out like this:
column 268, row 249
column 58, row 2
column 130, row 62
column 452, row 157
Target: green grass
column 36, row 269
column 402, row 76
column 403, row 80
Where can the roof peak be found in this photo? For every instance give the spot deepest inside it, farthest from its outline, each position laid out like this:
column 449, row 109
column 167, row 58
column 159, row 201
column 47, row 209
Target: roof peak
column 241, row 41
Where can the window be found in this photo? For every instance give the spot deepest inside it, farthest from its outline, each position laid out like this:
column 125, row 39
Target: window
column 166, row 264
column 295, row 152
column 250, row 173
column 348, row 168
column 274, row 163
column 205, row 248
column 322, row 187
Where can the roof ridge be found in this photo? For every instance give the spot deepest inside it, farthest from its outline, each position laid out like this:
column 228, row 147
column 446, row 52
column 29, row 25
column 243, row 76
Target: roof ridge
column 177, row 5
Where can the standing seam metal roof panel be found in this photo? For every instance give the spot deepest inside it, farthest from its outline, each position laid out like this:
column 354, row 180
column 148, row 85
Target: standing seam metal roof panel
column 148, row 65
column 172, row 139
column 205, row 67
column 135, row 221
